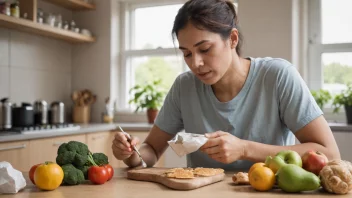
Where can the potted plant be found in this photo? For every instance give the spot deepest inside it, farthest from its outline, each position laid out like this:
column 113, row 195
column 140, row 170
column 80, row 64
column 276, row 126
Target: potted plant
column 321, row 97
column 148, row 96
column 344, row 99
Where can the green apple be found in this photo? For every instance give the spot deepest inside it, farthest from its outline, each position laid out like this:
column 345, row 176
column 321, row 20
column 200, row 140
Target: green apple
column 283, row 158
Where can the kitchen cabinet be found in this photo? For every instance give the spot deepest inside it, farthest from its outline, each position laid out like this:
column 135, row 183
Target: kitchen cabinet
column 16, row 153
column 30, row 24
column 42, row 150
column 101, row 142
column 142, row 136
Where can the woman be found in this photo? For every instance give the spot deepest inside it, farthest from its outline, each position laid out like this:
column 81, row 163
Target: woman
column 249, row 108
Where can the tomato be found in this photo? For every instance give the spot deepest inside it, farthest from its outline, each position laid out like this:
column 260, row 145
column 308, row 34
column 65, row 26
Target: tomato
column 31, row 172
column 98, row 174
column 110, row 170
column 48, row 176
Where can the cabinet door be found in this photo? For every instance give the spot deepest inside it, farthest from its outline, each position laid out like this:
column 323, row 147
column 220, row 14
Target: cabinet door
column 142, row 136
column 17, row 154
column 42, row 150
column 101, row 143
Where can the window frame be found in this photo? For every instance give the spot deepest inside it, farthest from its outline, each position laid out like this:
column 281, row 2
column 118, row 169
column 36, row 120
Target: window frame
column 315, row 50
column 126, row 43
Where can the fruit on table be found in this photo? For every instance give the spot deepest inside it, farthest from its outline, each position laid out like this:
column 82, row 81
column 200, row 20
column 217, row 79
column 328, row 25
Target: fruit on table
column 110, row 171
column 314, row 161
column 48, row 176
column 336, row 176
column 262, row 178
column 31, row 172
column 293, row 178
column 98, row 174
column 283, row 158
column 256, row 165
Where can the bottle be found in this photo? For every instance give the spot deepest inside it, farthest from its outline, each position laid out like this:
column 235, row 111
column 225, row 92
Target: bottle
column 15, row 9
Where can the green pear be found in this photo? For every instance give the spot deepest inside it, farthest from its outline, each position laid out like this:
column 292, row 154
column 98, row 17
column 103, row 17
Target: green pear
column 283, row 158
column 292, row 178
column 274, row 163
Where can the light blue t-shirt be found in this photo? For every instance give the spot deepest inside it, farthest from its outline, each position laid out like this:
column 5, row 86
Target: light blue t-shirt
column 273, row 104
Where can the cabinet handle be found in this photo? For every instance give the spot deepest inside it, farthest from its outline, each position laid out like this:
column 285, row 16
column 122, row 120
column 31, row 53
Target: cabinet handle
column 13, row 147
column 98, row 137
column 58, row 143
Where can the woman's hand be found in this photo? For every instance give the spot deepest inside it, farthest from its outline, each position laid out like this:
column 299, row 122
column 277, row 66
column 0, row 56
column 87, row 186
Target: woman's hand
column 121, row 147
column 223, row 147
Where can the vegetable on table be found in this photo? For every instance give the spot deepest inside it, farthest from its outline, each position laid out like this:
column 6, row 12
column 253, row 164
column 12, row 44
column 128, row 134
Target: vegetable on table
column 75, row 159
column 336, row 176
column 97, row 174
column 72, row 175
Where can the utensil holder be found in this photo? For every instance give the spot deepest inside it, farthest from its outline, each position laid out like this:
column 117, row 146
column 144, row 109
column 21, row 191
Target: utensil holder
column 81, row 114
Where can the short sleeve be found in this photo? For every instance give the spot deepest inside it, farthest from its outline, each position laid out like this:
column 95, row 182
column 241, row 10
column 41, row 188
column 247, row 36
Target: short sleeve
column 169, row 118
column 296, row 104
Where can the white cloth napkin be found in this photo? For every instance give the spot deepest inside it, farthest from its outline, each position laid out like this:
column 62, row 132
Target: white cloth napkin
column 11, row 180
column 184, row 143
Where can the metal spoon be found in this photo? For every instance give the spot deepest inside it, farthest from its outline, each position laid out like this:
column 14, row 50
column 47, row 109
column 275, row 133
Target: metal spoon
column 134, row 147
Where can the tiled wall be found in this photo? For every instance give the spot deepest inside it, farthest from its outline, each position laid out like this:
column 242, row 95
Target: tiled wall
column 35, row 67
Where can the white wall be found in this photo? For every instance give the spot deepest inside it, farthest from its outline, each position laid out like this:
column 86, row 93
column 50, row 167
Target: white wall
column 268, row 28
column 94, row 65
column 35, row 67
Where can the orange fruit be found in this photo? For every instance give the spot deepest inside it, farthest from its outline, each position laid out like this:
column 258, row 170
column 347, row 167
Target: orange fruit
column 262, row 178
column 258, row 164
column 48, row 176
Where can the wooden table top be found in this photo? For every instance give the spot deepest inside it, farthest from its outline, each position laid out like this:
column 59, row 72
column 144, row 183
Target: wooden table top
column 120, row 186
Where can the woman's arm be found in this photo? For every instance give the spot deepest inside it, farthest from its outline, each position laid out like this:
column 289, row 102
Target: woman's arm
column 151, row 149
column 314, row 136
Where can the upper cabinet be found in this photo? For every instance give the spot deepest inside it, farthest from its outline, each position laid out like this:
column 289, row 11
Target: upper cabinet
column 31, row 25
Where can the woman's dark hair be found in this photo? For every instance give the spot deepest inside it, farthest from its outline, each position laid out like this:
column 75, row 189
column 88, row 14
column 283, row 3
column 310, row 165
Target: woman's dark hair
column 217, row 16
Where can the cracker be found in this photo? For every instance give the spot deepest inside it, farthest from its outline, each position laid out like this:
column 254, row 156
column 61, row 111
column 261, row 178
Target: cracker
column 206, row 172
column 179, row 173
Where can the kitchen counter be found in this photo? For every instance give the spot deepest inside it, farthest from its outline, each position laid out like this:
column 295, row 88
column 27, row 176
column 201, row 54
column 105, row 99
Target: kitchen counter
column 119, row 186
column 340, row 127
column 84, row 128
column 99, row 127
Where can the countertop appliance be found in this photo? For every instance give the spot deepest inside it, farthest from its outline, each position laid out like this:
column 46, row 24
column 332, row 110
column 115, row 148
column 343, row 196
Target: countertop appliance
column 6, row 114
column 57, row 113
column 41, row 112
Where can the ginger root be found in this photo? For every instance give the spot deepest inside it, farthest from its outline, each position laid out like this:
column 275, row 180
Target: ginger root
column 240, row 178
column 336, row 176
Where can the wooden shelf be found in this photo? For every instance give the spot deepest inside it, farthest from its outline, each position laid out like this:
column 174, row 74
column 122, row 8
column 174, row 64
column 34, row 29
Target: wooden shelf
column 75, row 5
column 43, row 29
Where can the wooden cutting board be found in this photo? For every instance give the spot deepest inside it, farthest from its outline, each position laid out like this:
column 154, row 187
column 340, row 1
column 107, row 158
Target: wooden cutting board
column 156, row 175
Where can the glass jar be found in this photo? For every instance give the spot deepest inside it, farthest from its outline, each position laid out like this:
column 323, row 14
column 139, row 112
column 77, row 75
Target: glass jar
column 40, row 16
column 15, row 9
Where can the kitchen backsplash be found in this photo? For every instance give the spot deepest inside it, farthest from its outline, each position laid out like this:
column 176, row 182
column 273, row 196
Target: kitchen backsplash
column 34, row 67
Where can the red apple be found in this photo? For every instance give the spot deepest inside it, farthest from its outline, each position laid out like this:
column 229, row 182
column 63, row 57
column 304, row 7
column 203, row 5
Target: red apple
column 314, row 161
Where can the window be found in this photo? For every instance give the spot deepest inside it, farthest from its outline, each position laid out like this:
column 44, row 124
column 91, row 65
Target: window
column 330, row 44
column 149, row 52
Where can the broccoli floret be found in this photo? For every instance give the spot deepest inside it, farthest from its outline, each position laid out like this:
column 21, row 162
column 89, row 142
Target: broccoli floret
column 84, row 169
column 72, row 175
column 80, row 156
column 100, row 159
column 66, row 157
